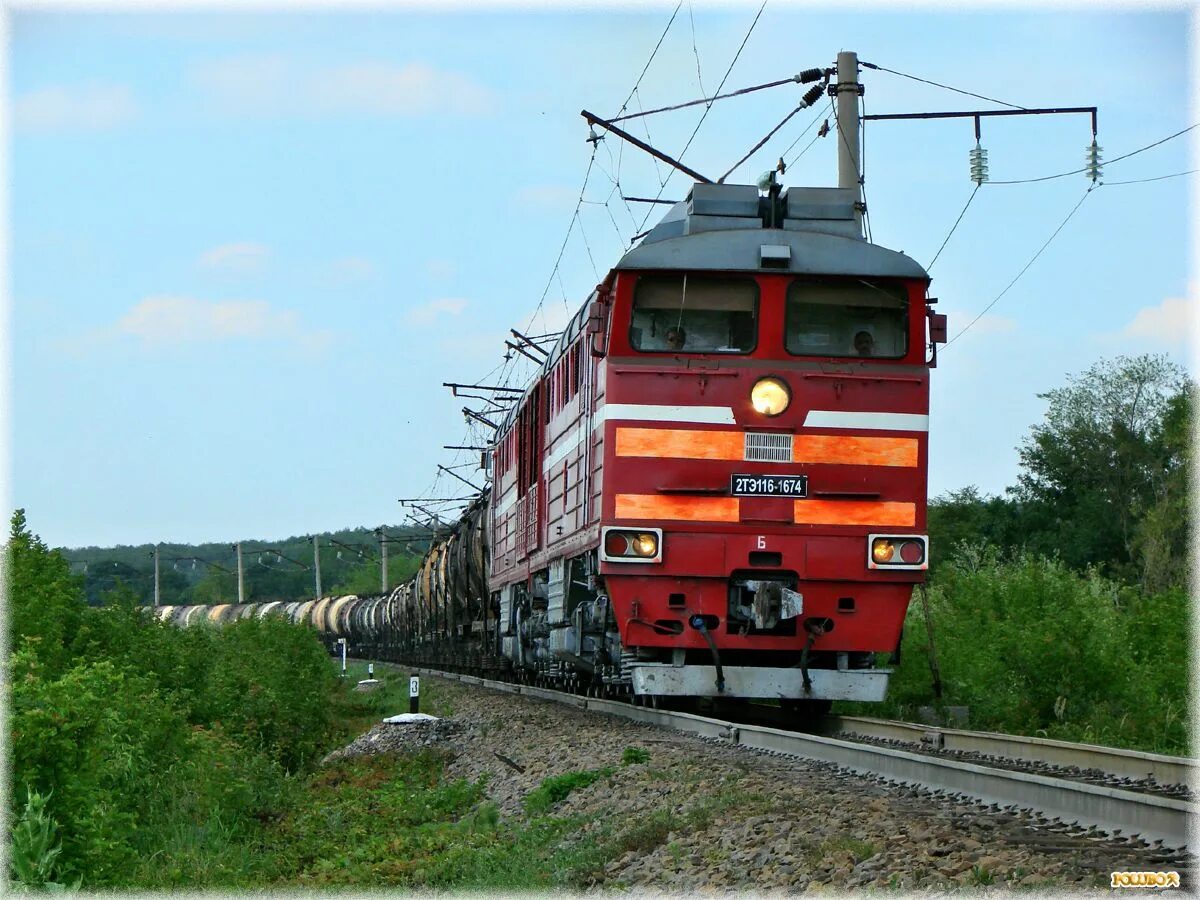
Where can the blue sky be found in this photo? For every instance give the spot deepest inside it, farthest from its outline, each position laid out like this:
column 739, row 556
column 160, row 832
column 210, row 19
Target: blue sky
column 246, row 250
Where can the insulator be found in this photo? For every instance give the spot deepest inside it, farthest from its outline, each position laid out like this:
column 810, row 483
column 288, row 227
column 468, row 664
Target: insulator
column 979, row 166
column 810, row 75
column 1093, row 165
column 812, row 96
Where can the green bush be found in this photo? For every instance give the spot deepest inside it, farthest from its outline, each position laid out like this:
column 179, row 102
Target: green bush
column 97, row 741
column 45, row 602
column 1035, row 648
column 269, row 686
column 144, row 754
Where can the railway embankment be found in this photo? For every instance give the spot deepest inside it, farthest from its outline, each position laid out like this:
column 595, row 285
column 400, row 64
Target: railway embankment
column 655, row 809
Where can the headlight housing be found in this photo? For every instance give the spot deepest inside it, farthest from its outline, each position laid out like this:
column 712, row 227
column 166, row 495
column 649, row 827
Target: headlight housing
column 631, row 545
column 898, row 551
column 770, row 396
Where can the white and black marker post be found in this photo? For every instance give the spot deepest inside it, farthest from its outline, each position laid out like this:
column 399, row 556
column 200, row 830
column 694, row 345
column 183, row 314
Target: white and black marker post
column 414, row 693
column 342, row 644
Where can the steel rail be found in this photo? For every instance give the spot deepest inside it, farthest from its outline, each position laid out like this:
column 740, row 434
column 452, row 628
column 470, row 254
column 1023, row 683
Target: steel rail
column 1127, row 813
column 1115, row 761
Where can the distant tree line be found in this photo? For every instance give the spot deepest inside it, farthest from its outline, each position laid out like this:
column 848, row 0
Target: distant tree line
column 276, row 570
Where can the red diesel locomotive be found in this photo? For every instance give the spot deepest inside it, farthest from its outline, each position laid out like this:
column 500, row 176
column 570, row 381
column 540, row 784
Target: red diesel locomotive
column 716, row 485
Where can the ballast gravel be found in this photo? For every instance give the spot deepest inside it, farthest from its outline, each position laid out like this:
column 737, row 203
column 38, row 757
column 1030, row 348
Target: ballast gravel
column 698, row 814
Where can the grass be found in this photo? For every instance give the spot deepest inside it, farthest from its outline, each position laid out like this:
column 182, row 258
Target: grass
column 556, row 788
column 633, row 756
column 399, row 822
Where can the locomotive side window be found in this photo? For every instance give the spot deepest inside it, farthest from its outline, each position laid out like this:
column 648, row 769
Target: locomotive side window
column 694, row 314
column 847, row 318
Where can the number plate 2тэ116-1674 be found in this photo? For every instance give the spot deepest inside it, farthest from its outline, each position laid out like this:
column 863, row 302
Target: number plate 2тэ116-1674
column 768, row 485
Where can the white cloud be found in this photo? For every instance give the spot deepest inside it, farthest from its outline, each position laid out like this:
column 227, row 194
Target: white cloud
column 273, row 85
column 158, row 321
column 88, row 107
column 387, row 89
column 238, row 257
column 446, row 306
column 1168, row 323
column 244, row 83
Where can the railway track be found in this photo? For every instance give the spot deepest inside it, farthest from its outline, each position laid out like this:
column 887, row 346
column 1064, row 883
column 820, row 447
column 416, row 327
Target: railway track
column 1157, row 820
column 1115, row 767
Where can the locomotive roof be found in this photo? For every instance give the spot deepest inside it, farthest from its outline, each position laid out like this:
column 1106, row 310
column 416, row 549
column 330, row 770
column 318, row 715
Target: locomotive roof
column 721, row 227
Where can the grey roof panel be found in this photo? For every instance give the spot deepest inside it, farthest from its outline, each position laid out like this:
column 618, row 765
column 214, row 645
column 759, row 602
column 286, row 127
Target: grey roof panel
column 807, row 203
column 723, row 200
column 812, row 253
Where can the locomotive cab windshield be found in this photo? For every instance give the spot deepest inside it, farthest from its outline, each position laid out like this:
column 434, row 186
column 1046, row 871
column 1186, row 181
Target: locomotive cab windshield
column 694, row 314
column 846, row 318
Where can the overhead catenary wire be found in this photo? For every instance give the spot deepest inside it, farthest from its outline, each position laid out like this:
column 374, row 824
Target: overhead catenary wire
column 653, row 53
column 939, row 84
column 1025, row 269
column 695, row 50
column 506, row 369
column 953, row 228
column 1109, row 162
column 708, row 107
column 793, row 79
column 1147, row 180
column 662, row 180
column 809, row 99
column 813, row 121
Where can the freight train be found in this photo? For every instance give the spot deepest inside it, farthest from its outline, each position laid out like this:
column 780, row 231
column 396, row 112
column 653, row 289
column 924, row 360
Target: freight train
column 715, row 485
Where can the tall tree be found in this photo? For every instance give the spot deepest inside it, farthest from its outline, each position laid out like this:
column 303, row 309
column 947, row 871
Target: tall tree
column 45, row 601
column 1098, row 463
column 1161, row 538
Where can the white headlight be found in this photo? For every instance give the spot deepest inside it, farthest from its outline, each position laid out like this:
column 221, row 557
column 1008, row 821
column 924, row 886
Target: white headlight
column 770, row 396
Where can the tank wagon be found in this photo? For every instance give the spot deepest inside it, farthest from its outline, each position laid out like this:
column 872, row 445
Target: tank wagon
column 715, row 485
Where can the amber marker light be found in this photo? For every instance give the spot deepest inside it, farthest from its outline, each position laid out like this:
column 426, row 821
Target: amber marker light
column 882, row 551
column 770, row 396
column 631, row 545
column 645, row 544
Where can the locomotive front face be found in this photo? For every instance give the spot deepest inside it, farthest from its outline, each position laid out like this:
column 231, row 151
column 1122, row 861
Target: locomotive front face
column 764, row 477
